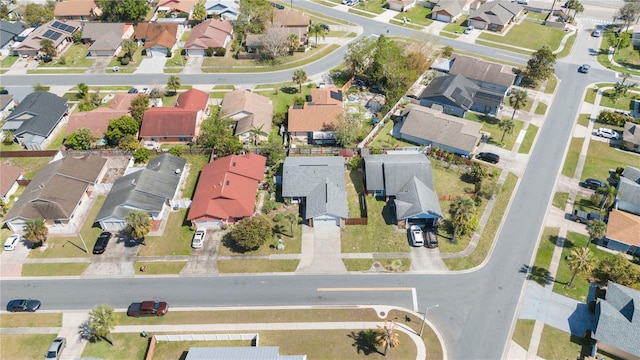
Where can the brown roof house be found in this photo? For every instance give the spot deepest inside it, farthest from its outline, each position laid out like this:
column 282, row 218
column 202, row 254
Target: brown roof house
column 78, row 10
column 59, row 32
column 177, row 124
column 105, row 39
column 494, row 15
column 292, row 21
column 449, row 10
column 631, row 137
column 315, row 121
column 158, row 38
column 401, row 5
column 249, row 112
column 177, row 6
column 9, row 176
column 56, row 191
column 623, row 232
column 209, row 34
column 97, row 120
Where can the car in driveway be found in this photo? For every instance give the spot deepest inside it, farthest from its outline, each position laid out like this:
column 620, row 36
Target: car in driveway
column 608, row 133
column 584, row 217
column 584, row 68
column 468, row 29
column 11, row 242
column 55, row 350
column 489, row 157
column 593, row 184
column 198, row 238
column 416, row 235
column 102, row 242
column 23, row 305
column 431, row 237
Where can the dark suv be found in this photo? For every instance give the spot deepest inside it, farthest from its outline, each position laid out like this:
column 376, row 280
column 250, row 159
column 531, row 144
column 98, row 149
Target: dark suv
column 102, row 242
column 489, row 157
column 593, row 184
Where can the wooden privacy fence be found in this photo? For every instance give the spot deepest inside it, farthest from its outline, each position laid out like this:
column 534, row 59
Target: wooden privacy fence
column 356, row 221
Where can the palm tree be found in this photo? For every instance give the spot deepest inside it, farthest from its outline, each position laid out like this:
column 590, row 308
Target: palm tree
column 596, row 229
column 518, row 100
column 507, row 126
column 386, row 336
column 608, row 196
column 461, row 210
column 174, row 83
column 624, row 76
column 102, row 320
column 293, row 218
column 576, row 6
column 129, row 47
column 318, row 30
column 83, row 91
column 299, row 77
column 139, row 223
column 35, row 231
column 579, row 262
column 479, row 173
column 4, row 207
column 256, row 132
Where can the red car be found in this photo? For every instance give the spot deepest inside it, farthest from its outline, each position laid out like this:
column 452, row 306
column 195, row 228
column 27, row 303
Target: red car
column 148, row 308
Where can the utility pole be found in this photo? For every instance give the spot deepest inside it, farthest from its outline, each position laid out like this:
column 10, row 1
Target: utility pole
column 424, row 319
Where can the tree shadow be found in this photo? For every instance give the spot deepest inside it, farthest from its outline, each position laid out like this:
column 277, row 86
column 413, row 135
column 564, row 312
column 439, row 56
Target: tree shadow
column 553, row 239
column 389, row 213
column 289, row 90
column 364, row 342
column 568, row 244
column 541, row 275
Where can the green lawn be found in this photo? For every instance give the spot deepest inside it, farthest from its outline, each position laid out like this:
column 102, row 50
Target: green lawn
column 125, row 346
column 529, row 137
column 624, row 103
column 54, row 269
column 601, row 157
column 391, row 265
column 568, row 45
column 354, row 186
column 573, row 154
column 75, row 56
column 585, row 204
column 552, row 83
column 282, row 97
column 361, row 13
column 384, row 139
column 540, row 271
column 583, row 119
column 506, row 47
column 129, row 68
column 30, row 165
column 176, row 63
column 176, row 239
column 490, row 125
column 456, row 27
column 557, row 344
column 8, row 61
column 374, row 6
column 560, row 200
column 522, row 332
column 541, row 109
column 416, row 15
column 34, row 320
column 57, row 141
column 25, row 346
column 528, row 35
column 156, row 267
column 257, row 266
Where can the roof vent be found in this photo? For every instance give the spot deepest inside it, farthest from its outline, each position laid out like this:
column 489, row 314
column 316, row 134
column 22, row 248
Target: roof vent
column 233, row 164
column 227, row 182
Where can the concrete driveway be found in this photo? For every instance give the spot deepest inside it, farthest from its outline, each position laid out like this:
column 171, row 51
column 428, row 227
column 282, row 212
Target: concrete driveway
column 321, row 251
column 118, row 258
column 425, row 259
column 152, row 65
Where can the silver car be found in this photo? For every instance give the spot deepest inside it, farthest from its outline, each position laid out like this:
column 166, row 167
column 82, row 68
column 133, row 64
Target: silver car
column 55, row 350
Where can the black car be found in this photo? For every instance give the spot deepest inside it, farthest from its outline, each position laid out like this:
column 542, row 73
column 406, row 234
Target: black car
column 489, row 157
column 593, row 184
column 23, row 305
column 133, row 91
column 102, row 242
column 4, row 92
column 325, row 27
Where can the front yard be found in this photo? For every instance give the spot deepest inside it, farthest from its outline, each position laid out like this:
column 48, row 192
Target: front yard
column 602, row 157
column 528, row 35
column 490, row 125
column 74, row 57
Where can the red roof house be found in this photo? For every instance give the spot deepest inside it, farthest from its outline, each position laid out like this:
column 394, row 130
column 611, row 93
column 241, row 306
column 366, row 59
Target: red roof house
column 97, row 120
column 226, row 190
column 209, row 34
column 315, row 121
column 180, row 123
column 9, row 176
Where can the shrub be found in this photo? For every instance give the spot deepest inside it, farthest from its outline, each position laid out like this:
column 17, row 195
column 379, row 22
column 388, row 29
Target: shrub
column 141, row 155
column 169, row 53
column 220, row 51
column 611, row 118
column 125, row 60
column 183, row 52
column 208, row 51
column 62, row 60
column 175, row 150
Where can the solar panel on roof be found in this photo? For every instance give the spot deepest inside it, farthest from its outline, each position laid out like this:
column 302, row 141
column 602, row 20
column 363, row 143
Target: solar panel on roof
column 53, row 35
column 48, row 33
column 68, row 28
column 57, row 24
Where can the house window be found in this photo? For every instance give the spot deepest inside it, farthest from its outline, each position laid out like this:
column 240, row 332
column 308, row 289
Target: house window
column 182, row 138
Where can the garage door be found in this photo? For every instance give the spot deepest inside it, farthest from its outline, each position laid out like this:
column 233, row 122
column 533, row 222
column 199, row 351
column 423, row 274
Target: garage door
column 113, row 225
column 158, row 52
column 443, row 17
column 326, row 222
column 211, row 224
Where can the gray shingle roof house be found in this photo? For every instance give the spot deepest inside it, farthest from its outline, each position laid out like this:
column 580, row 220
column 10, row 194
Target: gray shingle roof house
column 486, row 74
column 426, row 126
column 457, row 94
column 632, row 173
column 631, row 137
column 35, row 118
column 628, row 197
column 56, row 190
column 148, row 189
column 617, row 322
column 494, row 15
column 317, row 182
column 9, row 31
column 409, row 179
column 240, row 353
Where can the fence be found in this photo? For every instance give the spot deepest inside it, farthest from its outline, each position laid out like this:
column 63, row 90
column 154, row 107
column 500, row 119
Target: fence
column 254, row 338
column 356, row 221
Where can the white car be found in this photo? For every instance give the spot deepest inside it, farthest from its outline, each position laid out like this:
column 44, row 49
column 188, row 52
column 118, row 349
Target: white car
column 11, row 242
column 608, row 133
column 198, row 238
column 417, row 237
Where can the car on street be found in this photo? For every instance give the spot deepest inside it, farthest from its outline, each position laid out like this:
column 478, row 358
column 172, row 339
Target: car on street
column 147, row 308
column 102, row 242
column 596, row 33
column 23, row 305
column 523, row 2
column 417, row 238
column 468, row 29
column 593, row 184
column 55, row 350
column 489, row 157
column 133, row 91
column 324, row 27
column 198, row 238
column 11, row 242
column 584, row 68
column 607, row 133
column 4, row 92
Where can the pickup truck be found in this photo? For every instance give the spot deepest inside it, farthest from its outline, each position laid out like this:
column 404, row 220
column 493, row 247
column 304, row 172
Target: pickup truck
column 582, row 217
column 148, row 308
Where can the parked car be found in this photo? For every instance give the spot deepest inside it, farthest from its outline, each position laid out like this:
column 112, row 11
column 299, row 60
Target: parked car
column 148, row 308
column 431, row 238
column 468, row 29
column 593, row 184
column 596, row 33
column 325, row 27
column 584, row 68
column 198, row 238
column 4, row 92
column 582, row 216
column 417, row 238
column 23, row 305
column 133, row 91
column 523, row 2
column 608, row 133
column 489, row 157
column 56, row 348
column 11, row 242
column 102, row 242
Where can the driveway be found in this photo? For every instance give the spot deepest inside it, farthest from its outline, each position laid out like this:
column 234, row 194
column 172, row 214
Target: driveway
column 321, row 251
column 118, row 259
column 99, row 65
column 152, row 65
column 203, row 261
column 11, row 261
column 425, row 259
column 193, row 65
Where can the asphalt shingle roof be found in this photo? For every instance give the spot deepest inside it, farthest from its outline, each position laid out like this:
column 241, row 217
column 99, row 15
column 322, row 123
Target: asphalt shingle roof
column 9, row 30
column 617, row 320
column 629, row 191
column 632, row 173
column 239, row 353
column 38, row 114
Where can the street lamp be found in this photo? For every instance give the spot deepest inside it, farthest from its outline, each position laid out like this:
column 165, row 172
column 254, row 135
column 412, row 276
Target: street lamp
column 424, row 319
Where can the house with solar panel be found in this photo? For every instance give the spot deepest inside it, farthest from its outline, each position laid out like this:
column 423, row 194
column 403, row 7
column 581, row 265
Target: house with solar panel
column 59, row 32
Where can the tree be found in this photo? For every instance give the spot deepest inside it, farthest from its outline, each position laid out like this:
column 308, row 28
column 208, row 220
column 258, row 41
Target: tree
column 102, row 321
column 387, row 337
column 629, row 13
column 176, row 151
column 318, row 30
column 299, row 77
column 275, row 44
column 294, row 42
column 9, row 137
column 37, row 14
column 138, row 223
column 596, row 229
column 81, row 139
column 121, row 127
column 461, row 210
column 617, row 269
column 217, row 134
column 624, row 76
column 254, row 16
column 138, row 106
column 518, row 100
column 83, row 91
column 123, row 10
column 293, row 218
column 540, row 66
column 608, row 196
column 579, row 262
column 47, row 48
column 129, row 47
column 4, row 11
column 507, row 126
column 129, row 143
column 478, row 173
column 174, row 83
column 255, row 133
column 251, row 233
column 347, row 129
column 141, row 155
column 91, row 102
column 359, row 56
column 199, row 12
column 576, row 6
column 35, row 231
column 4, row 207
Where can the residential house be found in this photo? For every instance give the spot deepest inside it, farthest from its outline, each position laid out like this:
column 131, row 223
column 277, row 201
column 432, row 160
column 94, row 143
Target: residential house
column 250, row 113
column 631, row 137
column 35, row 118
column 448, row 11
column 105, row 39
column 226, row 190
column 456, row 95
column 494, row 15
column 223, row 9
column 426, row 126
column 157, row 38
column 176, row 7
column 617, row 323
column 408, row 180
column 59, row 32
column 622, row 232
column 239, row 353
column 149, row 189
column 177, row 124
column 635, row 36
column 628, row 196
column 9, row 32
column 56, row 191
column 7, row 103
column 209, row 34
column 97, row 120
column 318, row 184
column 401, row 5
column 77, row 10
column 292, row 21
column 314, row 122
column 486, row 74
column 9, row 176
